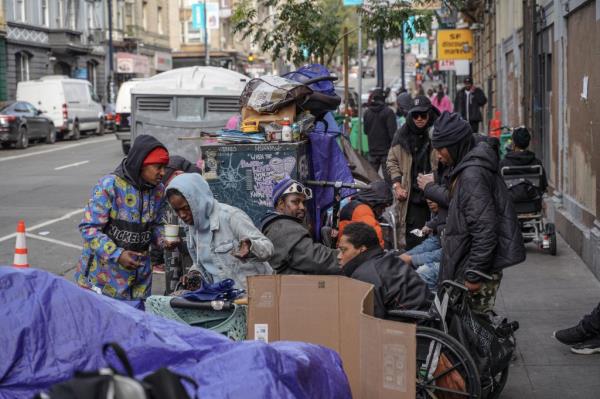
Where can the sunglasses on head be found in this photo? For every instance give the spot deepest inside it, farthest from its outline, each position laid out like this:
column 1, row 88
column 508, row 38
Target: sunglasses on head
column 419, row 115
column 297, row 188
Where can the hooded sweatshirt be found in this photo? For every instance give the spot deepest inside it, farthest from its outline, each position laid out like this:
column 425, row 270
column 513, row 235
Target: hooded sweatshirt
column 217, row 232
column 525, row 158
column 380, row 127
column 123, row 213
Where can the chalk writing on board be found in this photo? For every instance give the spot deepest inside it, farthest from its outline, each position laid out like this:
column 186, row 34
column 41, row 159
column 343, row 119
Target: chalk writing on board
column 265, row 171
column 231, row 176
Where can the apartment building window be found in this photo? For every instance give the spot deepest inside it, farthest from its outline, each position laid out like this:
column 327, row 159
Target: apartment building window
column 160, row 20
column 60, row 15
column 91, row 15
column 45, row 13
column 145, row 15
column 129, row 16
column 72, row 14
column 22, row 61
column 19, row 7
column 119, row 18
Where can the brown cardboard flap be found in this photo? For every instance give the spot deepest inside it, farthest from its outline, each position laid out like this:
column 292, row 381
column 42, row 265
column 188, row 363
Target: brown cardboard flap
column 388, row 359
column 379, row 356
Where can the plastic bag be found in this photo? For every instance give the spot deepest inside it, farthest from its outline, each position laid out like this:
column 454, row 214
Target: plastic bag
column 268, row 94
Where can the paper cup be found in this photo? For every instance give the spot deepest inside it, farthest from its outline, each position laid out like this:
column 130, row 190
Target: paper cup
column 171, row 232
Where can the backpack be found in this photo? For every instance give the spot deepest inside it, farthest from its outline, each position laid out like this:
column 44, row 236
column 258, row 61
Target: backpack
column 109, row 384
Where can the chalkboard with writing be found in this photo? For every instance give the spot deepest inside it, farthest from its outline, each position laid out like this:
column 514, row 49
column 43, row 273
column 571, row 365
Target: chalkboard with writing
column 243, row 175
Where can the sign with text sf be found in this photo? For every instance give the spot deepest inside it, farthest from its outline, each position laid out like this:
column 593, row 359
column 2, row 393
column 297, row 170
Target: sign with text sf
column 455, row 44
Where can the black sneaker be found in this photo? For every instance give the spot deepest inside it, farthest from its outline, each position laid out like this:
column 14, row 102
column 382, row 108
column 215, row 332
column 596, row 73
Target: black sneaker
column 572, row 335
column 587, row 347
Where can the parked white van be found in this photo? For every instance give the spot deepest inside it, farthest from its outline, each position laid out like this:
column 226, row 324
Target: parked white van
column 177, row 105
column 70, row 103
column 123, row 113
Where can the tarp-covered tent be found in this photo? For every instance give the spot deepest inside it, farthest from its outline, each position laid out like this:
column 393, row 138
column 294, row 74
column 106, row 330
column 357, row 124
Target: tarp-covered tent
column 50, row 328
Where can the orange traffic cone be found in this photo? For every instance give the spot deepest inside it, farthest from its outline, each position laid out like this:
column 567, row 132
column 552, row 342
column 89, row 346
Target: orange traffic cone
column 20, row 259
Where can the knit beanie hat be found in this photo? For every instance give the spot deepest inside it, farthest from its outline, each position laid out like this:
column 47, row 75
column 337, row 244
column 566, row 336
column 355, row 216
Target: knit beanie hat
column 449, row 129
column 159, row 155
column 521, row 137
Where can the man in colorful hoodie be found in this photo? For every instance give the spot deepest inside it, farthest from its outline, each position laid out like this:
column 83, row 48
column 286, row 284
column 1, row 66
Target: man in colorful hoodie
column 120, row 221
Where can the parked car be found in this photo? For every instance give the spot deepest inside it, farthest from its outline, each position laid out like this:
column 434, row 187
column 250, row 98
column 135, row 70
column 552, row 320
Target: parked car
column 70, row 103
column 109, row 117
column 352, row 100
column 21, row 123
column 368, row 71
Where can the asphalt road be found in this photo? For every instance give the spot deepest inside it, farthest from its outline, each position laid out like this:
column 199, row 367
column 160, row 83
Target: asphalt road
column 47, row 186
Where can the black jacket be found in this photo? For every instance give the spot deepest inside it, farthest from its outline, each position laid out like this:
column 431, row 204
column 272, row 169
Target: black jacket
column 397, row 285
column 380, row 127
column 525, row 158
column 477, row 100
column 482, row 231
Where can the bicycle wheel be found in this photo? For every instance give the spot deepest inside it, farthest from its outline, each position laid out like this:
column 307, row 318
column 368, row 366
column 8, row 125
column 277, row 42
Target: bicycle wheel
column 494, row 390
column 445, row 370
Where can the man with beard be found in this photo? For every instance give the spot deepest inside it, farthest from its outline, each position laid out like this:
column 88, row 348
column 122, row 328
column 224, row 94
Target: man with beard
column 411, row 154
column 482, row 232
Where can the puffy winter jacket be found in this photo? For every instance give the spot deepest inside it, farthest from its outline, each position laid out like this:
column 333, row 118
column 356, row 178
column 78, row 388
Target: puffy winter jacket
column 482, row 231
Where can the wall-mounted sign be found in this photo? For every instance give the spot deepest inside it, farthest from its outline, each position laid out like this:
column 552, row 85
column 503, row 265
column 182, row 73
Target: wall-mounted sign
column 455, row 44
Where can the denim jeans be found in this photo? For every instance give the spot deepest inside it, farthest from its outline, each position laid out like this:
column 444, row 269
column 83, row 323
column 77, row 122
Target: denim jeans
column 429, row 273
column 426, row 257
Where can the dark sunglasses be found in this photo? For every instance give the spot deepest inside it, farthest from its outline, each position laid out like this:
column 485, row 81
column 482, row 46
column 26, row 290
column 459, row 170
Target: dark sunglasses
column 419, row 115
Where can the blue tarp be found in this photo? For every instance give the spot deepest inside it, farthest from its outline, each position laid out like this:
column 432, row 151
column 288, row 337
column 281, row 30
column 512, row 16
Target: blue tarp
column 50, row 328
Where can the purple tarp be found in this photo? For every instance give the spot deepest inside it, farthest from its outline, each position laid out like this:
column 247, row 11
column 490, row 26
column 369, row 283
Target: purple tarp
column 51, row 328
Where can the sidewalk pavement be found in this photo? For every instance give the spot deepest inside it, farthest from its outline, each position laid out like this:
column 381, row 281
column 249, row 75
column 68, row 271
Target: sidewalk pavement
column 544, row 294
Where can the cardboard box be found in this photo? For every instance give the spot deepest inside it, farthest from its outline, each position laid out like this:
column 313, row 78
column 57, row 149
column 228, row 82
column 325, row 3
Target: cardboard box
column 286, row 112
column 379, row 356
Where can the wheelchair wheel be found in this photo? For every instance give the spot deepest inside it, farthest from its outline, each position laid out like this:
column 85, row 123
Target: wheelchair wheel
column 551, row 232
column 445, row 370
column 494, row 391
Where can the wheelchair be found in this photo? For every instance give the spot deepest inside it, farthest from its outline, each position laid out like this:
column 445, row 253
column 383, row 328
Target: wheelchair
column 523, row 183
column 460, row 354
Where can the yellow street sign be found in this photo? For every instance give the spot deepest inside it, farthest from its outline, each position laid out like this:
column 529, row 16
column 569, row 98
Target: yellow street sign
column 455, row 44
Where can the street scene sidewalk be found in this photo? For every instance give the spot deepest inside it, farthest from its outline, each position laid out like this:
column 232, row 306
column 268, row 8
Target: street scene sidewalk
column 545, row 294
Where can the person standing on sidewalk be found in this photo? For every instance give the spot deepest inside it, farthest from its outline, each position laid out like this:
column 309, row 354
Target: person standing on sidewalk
column 380, row 127
column 584, row 338
column 482, row 232
column 411, row 154
column 441, row 101
column 119, row 222
column 468, row 103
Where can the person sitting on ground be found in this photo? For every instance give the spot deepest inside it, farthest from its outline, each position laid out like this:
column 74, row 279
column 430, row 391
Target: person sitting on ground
column 396, row 285
column 426, row 257
column 295, row 251
column 367, row 206
column 120, row 221
column 222, row 240
column 521, row 156
column 584, row 337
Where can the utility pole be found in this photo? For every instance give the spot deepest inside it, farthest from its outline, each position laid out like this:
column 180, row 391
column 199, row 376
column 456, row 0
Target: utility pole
column 111, row 67
column 346, row 75
column 402, row 60
column 380, row 83
column 206, row 53
column 360, row 74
